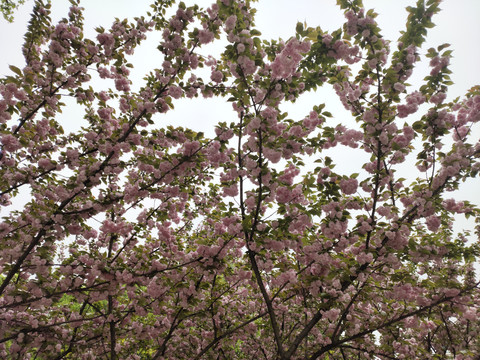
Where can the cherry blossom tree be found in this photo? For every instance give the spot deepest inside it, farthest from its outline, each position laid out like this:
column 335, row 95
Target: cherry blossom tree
column 140, row 240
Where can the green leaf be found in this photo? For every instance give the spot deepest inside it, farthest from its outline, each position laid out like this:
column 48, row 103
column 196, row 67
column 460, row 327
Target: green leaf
column 299, row 28
column 443, row 46
column 16, row 70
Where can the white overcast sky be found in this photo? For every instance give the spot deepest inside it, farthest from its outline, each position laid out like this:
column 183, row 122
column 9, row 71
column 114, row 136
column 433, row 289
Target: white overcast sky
column 457, row 24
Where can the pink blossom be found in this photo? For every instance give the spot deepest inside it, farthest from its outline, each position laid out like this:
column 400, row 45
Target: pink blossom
column 193, row 61
column 349, row 186
column 433, row 223
column 273, row 155
column 105, row 113
column 372, row 63
column 230, row 23
column 470, row 314
column 289, row 174
column 364, row 258
column 288, row 59
column 217, row 76
column 122, row 84
column 175, row 91
column 401, row 141
column 408, row 132
column 283, row 194
column 106, row 39
column 438, row 63
column 103, row 96
column 45, row 163
column 451, row 292
column 399, row 87
column 190, row 147
column 460, row 133
column 10, row 143
column 410, row 108
column 334, row 229
column 438, row 98
column 247, row 64
column 205, row 36
column 300, row 224
column 452, row 205
column 104, row 73
column 240, row 48
column 331, row 314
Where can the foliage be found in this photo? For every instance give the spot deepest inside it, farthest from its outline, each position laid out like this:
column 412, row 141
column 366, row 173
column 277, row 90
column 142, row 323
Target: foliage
column 8, row 7
column 145, row 241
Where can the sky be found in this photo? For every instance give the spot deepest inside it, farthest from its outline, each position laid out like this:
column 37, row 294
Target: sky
column 457, row 24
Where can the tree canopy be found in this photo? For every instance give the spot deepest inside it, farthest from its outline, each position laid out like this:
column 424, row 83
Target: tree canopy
column 140, row 240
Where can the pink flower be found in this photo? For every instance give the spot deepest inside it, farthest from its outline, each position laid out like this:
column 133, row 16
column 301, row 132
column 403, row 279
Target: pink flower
column 289, row 175
column 438, row 98
column 460, row 133
column 283, row 194
column 175, row 92
column 470, row 314
column 193, row 61
column 399, row 87
column 433, row 223
column 44, row 163
column 438, row 63
column 272, row 155
column 102, row 95
column 408, row 132
column 104, row 73
column 205, row 36
column 217, row 76
column 247, row 64
column 401, row 141
column 106, row 39
column 415, row 98
column 363, row 258
column 331, row 314
column 288, row 59
column 105, row 113
column 10, row 143
column 230, row 23
column 122, row 84
column 451, row 292
column 349, row 186
column 240, row 48
column 189, row 148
